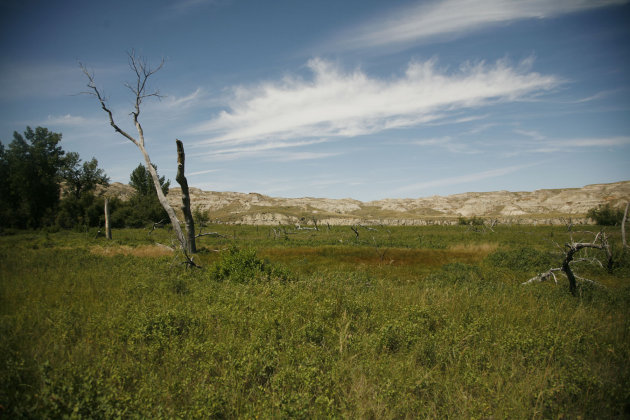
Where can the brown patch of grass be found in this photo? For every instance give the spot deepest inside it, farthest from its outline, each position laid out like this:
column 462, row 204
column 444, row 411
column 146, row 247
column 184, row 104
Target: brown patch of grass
column 373, row 256
column 481, row 249
column 151, row 251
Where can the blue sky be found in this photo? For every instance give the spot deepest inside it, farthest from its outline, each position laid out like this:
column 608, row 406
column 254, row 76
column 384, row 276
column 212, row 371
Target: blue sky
column 361, row 99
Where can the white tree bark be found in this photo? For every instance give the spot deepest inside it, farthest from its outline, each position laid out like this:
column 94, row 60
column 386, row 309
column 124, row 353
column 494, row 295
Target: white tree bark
column 108, row 228
column 623, row 226
column 142, row 72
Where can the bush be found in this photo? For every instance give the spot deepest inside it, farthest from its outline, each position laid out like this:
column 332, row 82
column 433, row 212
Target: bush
column 473, row 221
column 606, row 215
column 522, row 259
column 244, row 266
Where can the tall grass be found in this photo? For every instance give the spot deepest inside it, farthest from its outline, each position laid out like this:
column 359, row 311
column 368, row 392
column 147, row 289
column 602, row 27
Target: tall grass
column 307, row 327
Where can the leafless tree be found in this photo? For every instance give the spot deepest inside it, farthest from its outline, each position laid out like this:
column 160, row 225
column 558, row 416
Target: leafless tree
column 356, row 231
column 108, row 228
column 600, row 241
column 183, row 183
column 623, row 226
column 139, row 88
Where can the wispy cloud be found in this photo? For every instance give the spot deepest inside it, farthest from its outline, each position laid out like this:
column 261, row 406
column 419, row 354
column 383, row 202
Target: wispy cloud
column 569, row 144
column 252, row 150
column 336, row 103
column 455, row 17
column 546, row 146
column 463, row 179
column 69, row 120
column 183, row 102
column 294, row 156
column 207, row 171
column 449, row 144
column 530, row 133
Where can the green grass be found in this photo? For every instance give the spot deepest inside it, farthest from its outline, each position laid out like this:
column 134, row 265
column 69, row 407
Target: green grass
column 428, row 322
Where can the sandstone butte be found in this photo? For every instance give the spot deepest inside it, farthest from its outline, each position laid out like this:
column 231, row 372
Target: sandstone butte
column 547, row 206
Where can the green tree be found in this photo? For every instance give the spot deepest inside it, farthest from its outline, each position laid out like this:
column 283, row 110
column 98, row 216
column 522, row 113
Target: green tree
column 81, row 179
column 141, row 180
column 606, row 215
column 144, row 206
column 32, row 171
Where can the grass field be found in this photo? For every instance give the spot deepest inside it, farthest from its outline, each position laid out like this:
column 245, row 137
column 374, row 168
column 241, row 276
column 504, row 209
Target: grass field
column 402, row 322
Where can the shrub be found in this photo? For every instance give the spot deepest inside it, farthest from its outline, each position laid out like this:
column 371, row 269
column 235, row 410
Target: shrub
column 244, row 266
column 473, row 221
column 606, row 215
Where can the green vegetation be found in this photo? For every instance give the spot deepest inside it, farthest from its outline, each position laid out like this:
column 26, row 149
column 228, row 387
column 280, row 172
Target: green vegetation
column 44, row 186
column 428, row 322
column 143, row 208
column 606, row 215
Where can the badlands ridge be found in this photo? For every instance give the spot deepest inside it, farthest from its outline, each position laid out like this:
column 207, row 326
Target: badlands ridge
column 549, row 206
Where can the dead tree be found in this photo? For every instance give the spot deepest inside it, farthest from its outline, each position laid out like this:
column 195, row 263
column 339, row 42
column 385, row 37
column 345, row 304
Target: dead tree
column 356, row 232
column 140, row 91
column 570, row 249
column 108, row 228
column 623, row 226
column 188, row 218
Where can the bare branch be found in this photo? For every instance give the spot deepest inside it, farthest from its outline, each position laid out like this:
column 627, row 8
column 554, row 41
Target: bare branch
column 544, row 276
column 157, row 225
column 216, row 234
column 94, row 91
column 571, row 248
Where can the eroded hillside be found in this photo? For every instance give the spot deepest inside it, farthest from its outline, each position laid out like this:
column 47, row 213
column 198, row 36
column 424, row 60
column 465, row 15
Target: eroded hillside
column 540, row 206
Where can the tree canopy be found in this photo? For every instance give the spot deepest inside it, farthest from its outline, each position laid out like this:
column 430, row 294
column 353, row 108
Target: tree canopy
column 33, row 168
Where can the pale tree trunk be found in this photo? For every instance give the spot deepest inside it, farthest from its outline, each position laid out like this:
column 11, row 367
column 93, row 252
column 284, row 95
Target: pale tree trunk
column 623, row 226
column 181, row 180
column 108, row 228
column 163, row 201
column 143, row 72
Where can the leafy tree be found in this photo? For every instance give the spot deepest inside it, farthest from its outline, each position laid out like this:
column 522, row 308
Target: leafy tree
column 32, row 168
column 606, row 215
column 142, row 181
column 84, row 178
column 79, row 205
column 144, row 206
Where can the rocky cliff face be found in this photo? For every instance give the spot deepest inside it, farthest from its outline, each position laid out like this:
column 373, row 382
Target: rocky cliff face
column 540, row 206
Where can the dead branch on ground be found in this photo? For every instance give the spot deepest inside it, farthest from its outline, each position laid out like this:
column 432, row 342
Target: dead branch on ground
column 600, row 242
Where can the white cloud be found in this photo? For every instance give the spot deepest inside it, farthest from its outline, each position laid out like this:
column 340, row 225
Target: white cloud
column 261, row 149
column 293, row 156
column 71, row 120
column 569, row 144
column 346, row 104
column 449, row 17
column 184, row 101
column 533, row 134
column 207, row 171
column 448, row 144
column 463, row 179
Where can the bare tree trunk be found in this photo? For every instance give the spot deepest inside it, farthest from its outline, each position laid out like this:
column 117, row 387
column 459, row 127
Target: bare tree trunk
column 572, row 249
column 181, row 180
column 623, row 226
column 108, row 228
column 163, row 201
column 143, row 72
column 566, row 268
